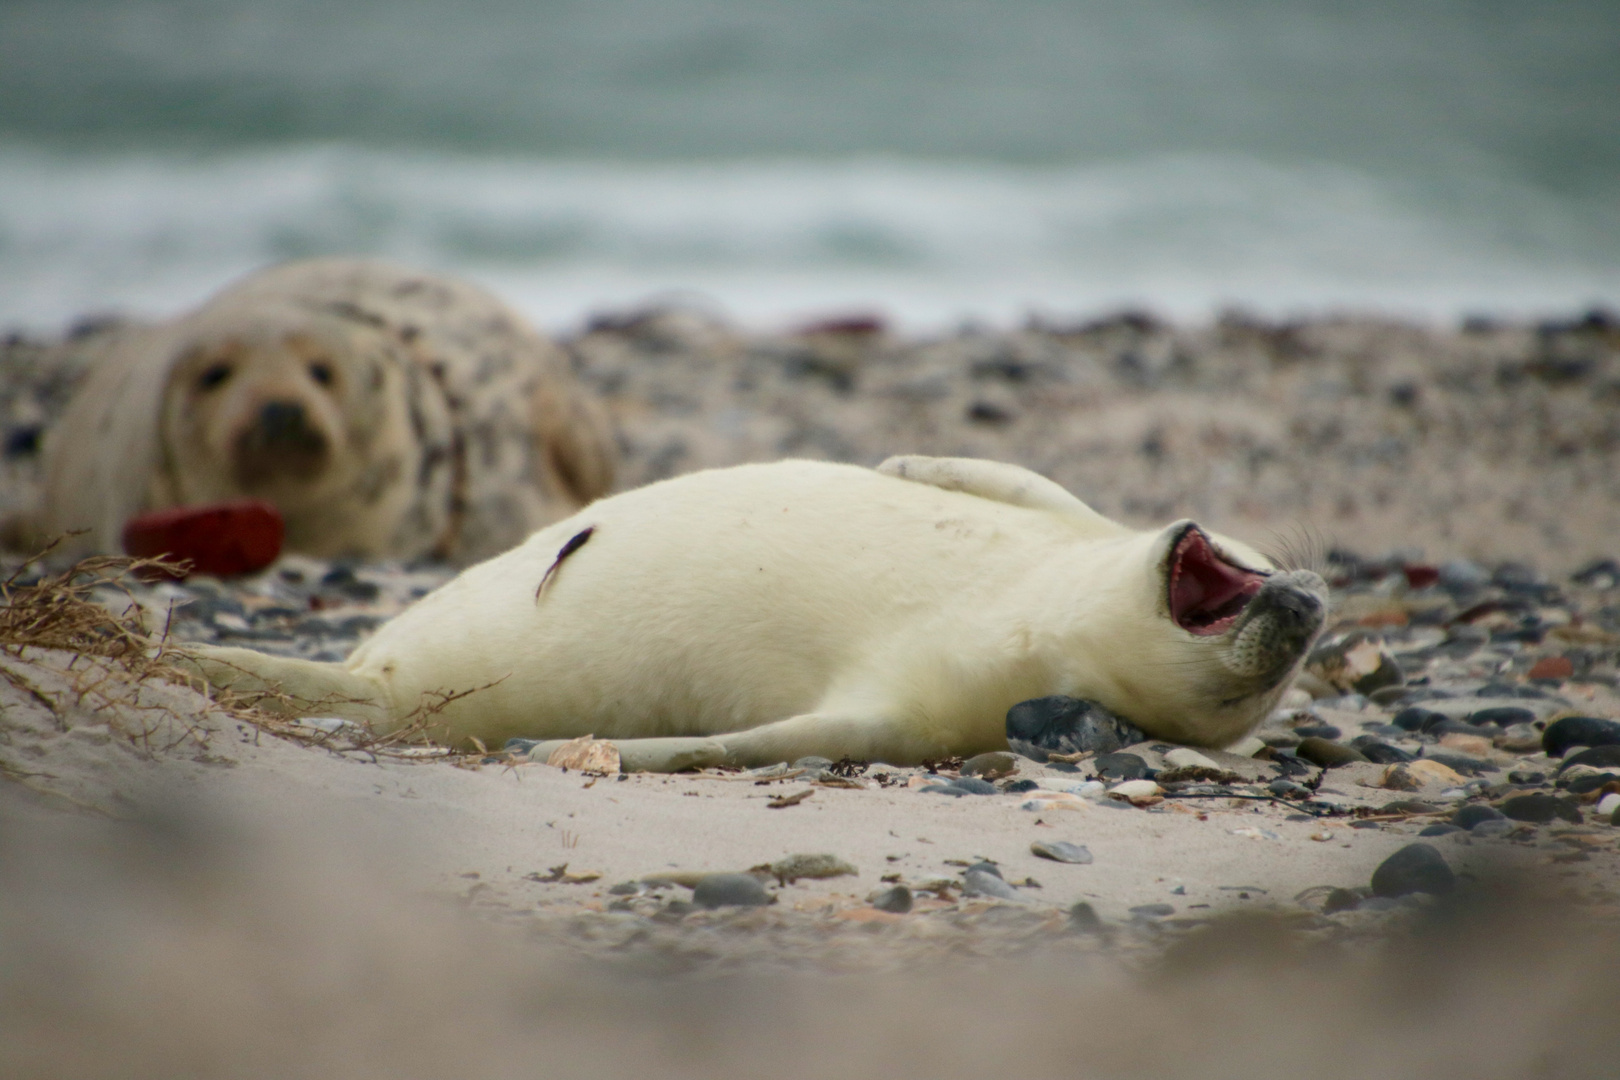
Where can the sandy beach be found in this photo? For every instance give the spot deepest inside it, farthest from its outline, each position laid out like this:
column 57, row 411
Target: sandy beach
column 1448, row 483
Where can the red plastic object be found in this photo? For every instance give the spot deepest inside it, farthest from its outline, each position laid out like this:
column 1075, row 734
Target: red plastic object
column 220, row 539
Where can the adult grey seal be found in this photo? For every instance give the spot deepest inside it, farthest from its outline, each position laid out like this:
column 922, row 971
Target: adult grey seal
column 384, row 412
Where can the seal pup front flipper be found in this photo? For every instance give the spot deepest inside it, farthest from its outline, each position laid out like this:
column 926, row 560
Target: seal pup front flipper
column 996, row 480
column 288, row 685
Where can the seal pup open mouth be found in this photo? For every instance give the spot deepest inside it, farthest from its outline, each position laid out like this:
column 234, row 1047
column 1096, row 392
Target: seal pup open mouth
column 805, row 607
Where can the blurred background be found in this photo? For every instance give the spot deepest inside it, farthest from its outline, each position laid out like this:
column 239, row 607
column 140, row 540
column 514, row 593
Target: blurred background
column 935, row 160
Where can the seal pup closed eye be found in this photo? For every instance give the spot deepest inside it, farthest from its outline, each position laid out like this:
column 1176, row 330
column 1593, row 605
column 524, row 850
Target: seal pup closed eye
column 810, row 608
column 384, row 412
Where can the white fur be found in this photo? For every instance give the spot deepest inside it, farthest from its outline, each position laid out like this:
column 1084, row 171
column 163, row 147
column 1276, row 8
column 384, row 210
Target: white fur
column 803, row 607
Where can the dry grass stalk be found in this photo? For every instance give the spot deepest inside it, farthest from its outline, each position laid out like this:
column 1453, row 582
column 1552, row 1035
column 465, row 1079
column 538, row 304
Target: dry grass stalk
column 113, row 656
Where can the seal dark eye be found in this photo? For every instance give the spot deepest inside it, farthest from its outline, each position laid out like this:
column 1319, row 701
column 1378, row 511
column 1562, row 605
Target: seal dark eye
column 214, row 376
column 321, row 373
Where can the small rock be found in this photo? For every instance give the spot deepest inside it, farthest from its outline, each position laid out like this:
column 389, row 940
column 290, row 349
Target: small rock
column 1608, row 805
column 1153, row 911
column 1440, row 829
column 1414, row 868
column 812, row 764
column 1581, row 785
column 1184, row 757
column 1540, row 807
column 1083, row 918
column 1359, row 662
column 1493, row 830
column 1061, row 851
column 1065, row 725
column 978, row 881
column 1120, row 767
column 1398, row 777
column 1502, row 716
column 1379, row 753
column 730, row 890
column 793, row 867
column 1326, row 754
column 1461, row 763
column 965, row 785
column 897, row 899
column 991, row 766
column 1463, row 576
column 1519, row 739
column 1018, row 787
column 1579, row 731
column 1475, row 745
column 1137, row 792
column 1598, row 757
column 1287, row 789
column 1417, row 718
column 1551, row 667
column 1468, row 816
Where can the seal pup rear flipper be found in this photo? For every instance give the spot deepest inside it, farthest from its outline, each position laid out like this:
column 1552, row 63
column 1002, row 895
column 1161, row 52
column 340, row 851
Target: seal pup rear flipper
column 998, row 481
column 287, row 685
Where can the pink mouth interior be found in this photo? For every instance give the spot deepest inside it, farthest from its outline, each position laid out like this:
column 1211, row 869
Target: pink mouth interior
column 1207, row 593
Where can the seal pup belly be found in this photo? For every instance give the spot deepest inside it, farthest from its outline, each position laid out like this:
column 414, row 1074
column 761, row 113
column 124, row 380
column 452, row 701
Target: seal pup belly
column 805, row 607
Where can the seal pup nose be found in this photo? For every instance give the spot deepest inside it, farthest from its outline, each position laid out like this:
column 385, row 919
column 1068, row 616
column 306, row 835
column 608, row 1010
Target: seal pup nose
column 1207, row 593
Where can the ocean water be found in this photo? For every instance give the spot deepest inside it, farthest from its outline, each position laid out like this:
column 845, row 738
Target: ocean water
column 935, row 161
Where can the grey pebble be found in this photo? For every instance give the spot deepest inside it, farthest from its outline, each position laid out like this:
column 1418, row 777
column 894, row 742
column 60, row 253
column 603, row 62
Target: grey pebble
column 1083, row 918
column 1578, row 731
column 977, row 881
column 1414, row 868
column 1153, row 911
column 1061, row 851
column 1441, row 828
column 1327, row 754
column 1468, row 816
column 730, row 890
column 897, row 899
column 1540, row 807
column 996, row 761
column 1120, row 767
column 1493, row 830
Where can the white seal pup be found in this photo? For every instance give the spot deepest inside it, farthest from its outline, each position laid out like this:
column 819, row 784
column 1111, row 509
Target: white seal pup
column 810, row 608
column 384, row 412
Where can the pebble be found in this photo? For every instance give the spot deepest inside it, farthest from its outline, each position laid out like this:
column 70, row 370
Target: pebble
column 1083, row 918
column 1519, row 739
column 1502, row 716
column 1120, row 767
column 1358, row 662
column 793, row 867
column 1066, row 725
column 1061, row 851
column 1136, row 792
column 1599, row 757
column 1414, row 868
column 896, row 899
column 1153, row 911
column 1607, row 805
column 1326, row 754
column 1539, row 807
column 1468, row 816
column 1441, row 829
column 983, row 879
column 1417, row 718
column 1580, row 785
column 965, row 785
column 1463, row 764
column 730, row 890
column 1379, row 753
column 1494, row 830
column 993, row 764
column 1287, row 789
column 1184, row 757
column 1578, row 731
